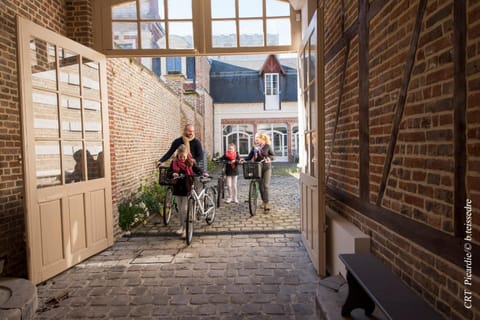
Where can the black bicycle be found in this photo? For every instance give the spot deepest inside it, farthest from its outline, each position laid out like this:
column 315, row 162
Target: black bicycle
column 169, row 202
column 253, row 172
column 221, row 179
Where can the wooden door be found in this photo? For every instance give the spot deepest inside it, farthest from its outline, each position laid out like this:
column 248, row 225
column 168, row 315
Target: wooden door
column 68, row 196
column 312, row 186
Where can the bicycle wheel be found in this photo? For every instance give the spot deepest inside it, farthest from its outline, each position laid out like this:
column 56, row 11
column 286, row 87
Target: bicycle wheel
column 209, row 204
column 252, row 197
column 190, row 220
column 220, row 191
column 168, row 205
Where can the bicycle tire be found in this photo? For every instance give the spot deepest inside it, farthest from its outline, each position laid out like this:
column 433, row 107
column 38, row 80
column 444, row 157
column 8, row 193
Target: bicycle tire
column 190, row 220
column 220, row 191
column 209, row 205
column 252, row 197
column 167, row 206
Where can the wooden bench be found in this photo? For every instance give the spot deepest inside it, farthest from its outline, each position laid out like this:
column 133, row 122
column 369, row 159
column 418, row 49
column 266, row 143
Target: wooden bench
column 371, row 283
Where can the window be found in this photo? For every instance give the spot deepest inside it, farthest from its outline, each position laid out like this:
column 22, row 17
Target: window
column 272, row 96
column 145, row 24
column 135, row 28
column 174, row 65
column 241, row 135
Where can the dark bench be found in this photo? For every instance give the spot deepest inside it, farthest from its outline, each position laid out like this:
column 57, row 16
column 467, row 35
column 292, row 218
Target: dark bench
column 371, row 283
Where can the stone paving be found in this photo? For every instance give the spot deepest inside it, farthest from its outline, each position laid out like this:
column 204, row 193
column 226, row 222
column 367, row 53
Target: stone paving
column 240, row 267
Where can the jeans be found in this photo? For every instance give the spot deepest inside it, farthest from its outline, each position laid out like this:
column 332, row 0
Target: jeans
column 265, row 182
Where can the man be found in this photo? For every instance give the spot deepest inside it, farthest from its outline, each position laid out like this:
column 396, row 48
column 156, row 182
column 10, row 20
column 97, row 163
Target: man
column 193, row 145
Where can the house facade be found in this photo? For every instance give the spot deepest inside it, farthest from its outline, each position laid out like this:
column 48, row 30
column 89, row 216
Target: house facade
column 253, row 94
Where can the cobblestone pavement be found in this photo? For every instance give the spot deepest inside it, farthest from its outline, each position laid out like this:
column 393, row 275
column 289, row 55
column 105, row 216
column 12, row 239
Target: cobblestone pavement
column 240, row 267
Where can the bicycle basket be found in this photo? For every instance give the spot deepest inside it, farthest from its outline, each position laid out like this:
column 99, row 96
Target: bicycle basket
column 163, row 177
column 252, row 170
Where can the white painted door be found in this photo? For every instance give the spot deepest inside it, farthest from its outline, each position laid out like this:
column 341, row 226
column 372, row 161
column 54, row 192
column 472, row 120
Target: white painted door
column 312, row 177
column 68, row 196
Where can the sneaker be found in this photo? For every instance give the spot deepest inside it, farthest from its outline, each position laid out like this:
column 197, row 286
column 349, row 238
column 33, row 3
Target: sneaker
column 183, row 234
column 266, row 207
column 228, row 201
column 236, row 201
column 180, row 231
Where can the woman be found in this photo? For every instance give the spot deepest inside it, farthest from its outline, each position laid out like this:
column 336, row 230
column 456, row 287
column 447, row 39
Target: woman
column 262, row 151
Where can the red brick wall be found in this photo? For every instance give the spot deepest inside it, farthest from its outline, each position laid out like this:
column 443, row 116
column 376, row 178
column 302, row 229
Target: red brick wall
column 12, row 222
column 145, row 116
column 79, row 21
column 420, row 184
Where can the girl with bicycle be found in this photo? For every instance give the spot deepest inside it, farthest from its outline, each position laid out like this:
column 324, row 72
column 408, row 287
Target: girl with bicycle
column 263, row 152
column 181, row 170
column 231, row 160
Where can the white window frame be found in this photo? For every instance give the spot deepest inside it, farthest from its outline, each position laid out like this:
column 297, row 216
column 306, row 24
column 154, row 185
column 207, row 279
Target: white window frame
column 272, row 91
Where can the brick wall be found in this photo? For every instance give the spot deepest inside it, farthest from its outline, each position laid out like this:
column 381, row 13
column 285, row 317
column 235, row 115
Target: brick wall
column 12, row 222
column 145, row 116
column 79, row 21
column 420, row 183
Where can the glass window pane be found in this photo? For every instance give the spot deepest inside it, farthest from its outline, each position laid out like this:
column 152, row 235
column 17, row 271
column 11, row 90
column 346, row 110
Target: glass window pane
column 47, row 163
column 45, row 114
column 224, row 34
column 90, row 79
column 278, row 32
column 95, row 165
column 152, row 9
column 250, row 8
column 125, row 11
column 73, row 161
column 276, row 8
column 125, row 35
column 153, row 35
column 71, row 118
column 227, row 129
column 93, row 120
column 179, row 9
column 244, row 144
column 69, row 63
column 223, row 9
column 251, row 33
column 44, row 69
column 180, row 35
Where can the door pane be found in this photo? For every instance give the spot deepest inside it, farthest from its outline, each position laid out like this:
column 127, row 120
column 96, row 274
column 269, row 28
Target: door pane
column 250, row 8
column 71, row 118
column 47, row 161
column 223, row 9
column 95, row 162
column 125, row 35
column 278, row 32
column 93, row 120
column 125, row 11
column 45, row 114
column 179, row 9
column 44, row 68
column 73, row 161
column 180, row 35
column 90, row 79
column 69, row 63
column 153, row 35
column 224, row 34
column 251, row 33
column 276, row 8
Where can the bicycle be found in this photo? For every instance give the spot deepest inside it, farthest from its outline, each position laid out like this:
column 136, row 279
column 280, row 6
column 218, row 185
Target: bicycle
column 200, row 205
column 253, row 172
column 169, row 203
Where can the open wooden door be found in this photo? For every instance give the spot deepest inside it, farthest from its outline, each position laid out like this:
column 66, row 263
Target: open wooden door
column 312, row 177
column 68, row 194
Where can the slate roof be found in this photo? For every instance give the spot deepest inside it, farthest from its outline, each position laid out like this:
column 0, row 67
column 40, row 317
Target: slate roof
column 240, row 81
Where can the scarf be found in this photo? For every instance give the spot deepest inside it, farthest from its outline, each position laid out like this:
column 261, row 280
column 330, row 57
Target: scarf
column 186, row 142
column 258, row 151
column 232, row 156
column 179, row 166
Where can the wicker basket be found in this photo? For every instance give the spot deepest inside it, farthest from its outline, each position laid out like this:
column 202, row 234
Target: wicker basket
column 163, row 177
column 252, row 170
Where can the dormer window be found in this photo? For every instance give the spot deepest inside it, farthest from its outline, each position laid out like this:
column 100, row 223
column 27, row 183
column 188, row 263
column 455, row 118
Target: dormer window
column 272, row 96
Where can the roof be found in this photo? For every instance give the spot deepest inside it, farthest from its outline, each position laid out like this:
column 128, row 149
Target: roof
column 238, row 79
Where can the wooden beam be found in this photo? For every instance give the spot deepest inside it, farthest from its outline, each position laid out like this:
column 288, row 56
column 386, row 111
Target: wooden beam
column 402, row 97
column 363, row 117
column 459, row 102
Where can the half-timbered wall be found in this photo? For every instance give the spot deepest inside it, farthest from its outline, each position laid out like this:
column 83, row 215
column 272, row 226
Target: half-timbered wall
column 402, row 114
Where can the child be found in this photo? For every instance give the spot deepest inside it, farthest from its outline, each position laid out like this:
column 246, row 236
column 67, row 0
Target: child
column 183, row 164
column 231, row 158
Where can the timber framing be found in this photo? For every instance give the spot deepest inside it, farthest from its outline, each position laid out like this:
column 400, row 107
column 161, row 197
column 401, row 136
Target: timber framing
column 444, row 245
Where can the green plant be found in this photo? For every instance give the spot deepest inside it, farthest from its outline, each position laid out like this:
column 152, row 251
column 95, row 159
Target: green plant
column 131, row 212
column 141, row 204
